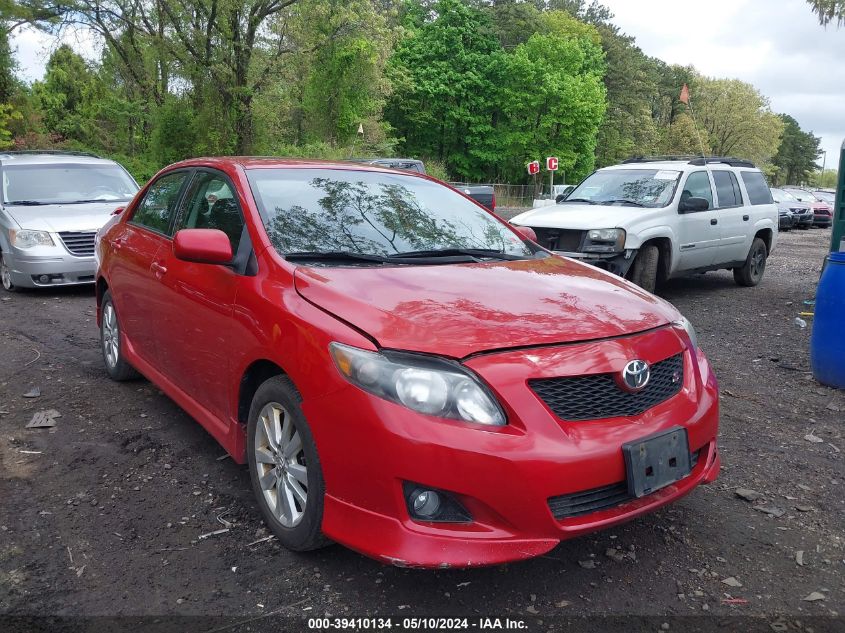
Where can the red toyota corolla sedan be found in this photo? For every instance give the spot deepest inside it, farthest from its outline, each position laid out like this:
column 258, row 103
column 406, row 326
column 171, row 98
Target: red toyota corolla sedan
column 403, row 372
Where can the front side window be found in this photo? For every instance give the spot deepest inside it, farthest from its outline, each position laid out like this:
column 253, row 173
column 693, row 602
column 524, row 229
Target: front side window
column 211, row 204
column 727, row 189
column 371, row 213
column 632, row 187
column 159, row 204
column 758, row 190
column 66, row 184
column 698, row 186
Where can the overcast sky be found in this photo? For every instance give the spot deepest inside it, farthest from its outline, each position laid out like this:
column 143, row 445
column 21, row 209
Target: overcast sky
column 777, row 45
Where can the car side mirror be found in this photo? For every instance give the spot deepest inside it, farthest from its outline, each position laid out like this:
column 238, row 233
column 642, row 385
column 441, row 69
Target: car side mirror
column 693, row 204
column 560, row 198
column 202, row 246
column 527, row 232
column 118, row 211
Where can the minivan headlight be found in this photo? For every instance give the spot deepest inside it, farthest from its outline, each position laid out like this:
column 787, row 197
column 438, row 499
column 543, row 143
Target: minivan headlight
column 604, row 241
column 685, row 324
column 26, row 238
column 425, row 384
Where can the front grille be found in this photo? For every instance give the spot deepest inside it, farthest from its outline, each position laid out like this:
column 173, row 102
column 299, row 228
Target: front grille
column 79, row 243
column 559, row 239
column 598, row 396
column 603, row 498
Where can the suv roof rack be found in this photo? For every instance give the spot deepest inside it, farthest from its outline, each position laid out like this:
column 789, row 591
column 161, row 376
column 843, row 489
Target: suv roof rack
column 693, row 160
column 60, row 152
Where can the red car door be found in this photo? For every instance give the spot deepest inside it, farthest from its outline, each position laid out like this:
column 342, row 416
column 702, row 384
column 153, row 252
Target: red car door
column 135, row 245
column 198, row 330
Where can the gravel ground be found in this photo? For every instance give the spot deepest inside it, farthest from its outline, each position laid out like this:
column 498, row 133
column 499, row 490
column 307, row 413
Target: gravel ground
column 107, row 512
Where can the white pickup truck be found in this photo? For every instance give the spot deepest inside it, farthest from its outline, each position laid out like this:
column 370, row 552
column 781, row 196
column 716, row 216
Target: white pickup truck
column 650, row 219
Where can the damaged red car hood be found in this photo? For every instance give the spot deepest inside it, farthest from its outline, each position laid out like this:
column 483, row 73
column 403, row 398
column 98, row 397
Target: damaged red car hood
column 461, row 309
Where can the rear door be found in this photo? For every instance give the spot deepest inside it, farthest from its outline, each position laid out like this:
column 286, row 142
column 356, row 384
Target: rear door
column 196, row 338
column 734, row 218
column 131, row 276
column 698, row 231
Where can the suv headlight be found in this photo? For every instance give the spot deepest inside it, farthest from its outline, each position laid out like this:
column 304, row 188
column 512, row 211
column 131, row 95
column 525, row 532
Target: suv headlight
column 425, row 384
column 605, row 241
column 27, row 239
column 685, row 324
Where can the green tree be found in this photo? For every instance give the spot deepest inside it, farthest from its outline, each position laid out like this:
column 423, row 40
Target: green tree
column 797, row 155
column 829, row 10
column 737, row 119
column 443, row 85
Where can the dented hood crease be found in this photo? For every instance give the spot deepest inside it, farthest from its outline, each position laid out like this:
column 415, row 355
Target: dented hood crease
column 464, row 309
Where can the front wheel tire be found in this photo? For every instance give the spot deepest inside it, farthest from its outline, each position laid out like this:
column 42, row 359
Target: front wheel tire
column 284, row 466
column 644, row 268
column 6, row 276
column 751, row 272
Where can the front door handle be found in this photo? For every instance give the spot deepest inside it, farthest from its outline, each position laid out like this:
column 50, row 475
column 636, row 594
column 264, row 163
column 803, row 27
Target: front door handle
column 745, row 218
column 714, row 221
column 117, row 245
column 158, row 269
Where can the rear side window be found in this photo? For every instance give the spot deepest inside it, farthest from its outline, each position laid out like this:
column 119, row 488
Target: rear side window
column 758, row 190
column 727, row 188
column 159, row 204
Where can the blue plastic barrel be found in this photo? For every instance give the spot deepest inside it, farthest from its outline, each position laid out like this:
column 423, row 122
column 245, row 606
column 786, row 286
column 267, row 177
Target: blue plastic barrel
column 827, row 344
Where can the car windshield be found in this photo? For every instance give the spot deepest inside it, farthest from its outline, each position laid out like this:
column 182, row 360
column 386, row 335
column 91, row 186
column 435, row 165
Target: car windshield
column 631, row 187
column 780, row 195
column 803, row 196
column 348, row 212
column 67, row 183
column 825, row 196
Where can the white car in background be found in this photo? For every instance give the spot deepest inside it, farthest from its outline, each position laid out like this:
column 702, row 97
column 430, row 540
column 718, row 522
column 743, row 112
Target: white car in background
column 653, row 219
column 53, row 204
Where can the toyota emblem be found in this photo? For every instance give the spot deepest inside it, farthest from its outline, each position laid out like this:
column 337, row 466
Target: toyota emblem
column 636, row 374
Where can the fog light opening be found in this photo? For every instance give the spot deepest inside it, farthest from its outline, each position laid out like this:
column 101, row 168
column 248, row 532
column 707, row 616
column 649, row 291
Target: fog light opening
column 44, row 279
column 431, row 505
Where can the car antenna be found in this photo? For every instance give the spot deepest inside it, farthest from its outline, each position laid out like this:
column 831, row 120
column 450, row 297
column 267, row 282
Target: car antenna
column 684, row 98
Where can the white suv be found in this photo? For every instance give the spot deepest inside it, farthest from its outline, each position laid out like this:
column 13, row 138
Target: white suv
column 650, row 219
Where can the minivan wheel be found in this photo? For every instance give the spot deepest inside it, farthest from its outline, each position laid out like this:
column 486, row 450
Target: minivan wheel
column 751, row 272
column 284, row 466
column 644, row 268
column 6, row 276
column 111, row 344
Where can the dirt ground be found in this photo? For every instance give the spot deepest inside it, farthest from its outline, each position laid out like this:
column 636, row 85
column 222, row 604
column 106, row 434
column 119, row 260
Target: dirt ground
column 108, row 512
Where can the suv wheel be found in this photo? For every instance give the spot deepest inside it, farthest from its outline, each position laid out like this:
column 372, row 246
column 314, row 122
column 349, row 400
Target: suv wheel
column 284, row 466
column 751, row 272
column 6, row 276
column 110, row 342
column 644, row 268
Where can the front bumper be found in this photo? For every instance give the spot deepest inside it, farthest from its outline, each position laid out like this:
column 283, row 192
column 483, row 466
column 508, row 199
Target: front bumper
column 616, row 263
column 506, row 476
column 822, row 220
column 60, row 269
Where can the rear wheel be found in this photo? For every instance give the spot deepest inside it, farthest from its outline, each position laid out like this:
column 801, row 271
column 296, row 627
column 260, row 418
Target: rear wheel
column 6, row 276
column 111, row 344
column 284, row 466
column 644, row 268
column 751, row 272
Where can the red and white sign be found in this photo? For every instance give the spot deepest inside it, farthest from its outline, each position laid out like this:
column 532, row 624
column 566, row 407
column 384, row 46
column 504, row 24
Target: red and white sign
column 533, row 167
column 551, row 163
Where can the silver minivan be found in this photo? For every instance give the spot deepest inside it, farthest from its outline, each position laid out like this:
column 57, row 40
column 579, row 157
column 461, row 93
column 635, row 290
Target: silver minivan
column 53, row 203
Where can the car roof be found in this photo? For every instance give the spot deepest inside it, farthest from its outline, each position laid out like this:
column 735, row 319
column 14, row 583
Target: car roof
column 47, row 157
column 275, row 162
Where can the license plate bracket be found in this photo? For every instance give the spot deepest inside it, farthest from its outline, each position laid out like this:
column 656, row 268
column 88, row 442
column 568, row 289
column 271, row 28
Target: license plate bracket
column 656, row 461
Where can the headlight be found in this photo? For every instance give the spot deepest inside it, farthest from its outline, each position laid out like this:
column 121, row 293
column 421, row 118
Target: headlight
column 605, row 241
column 425, row 384
column 684, row 323
column 27, row 239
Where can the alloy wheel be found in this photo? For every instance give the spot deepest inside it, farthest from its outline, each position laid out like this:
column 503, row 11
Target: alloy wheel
column 758, row 263
column 280, row 464
column 111, row 336
column 5, row 274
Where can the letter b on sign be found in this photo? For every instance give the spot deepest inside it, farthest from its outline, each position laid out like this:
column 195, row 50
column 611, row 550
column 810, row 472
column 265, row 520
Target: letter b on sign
column 533, row 167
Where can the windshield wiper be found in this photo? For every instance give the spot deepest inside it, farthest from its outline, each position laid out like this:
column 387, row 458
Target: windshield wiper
column 335, row 255
column 26, row 203
column 623, row 201
column 578, row 200
column 452, row 252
